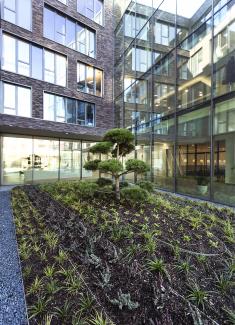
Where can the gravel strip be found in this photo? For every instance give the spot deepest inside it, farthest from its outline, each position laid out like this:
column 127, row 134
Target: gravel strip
column 12, row 299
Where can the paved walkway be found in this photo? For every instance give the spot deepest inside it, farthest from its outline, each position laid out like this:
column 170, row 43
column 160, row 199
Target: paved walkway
column 12, row 303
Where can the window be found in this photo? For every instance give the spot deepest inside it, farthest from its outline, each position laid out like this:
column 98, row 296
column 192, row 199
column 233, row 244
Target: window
column 9, row 53
column 133, row 25
column 16, row 100
column 68, row 110
column 92, row 9
column 69, row 33
column 32, row 61
column 196, row 63
column 49, row 67
column 54, row 68
column 23, row 63
column 60, row 29
column 37, row 55
column 18, row 12
column 63, row 1
column 164, row 34
column 90, row 79
column 141, row 59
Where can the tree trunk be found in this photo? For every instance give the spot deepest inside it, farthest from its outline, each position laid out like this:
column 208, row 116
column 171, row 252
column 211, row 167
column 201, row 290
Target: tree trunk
column 117, row 188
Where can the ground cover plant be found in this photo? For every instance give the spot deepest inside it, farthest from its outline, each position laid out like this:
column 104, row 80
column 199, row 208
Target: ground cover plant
column 162, row 260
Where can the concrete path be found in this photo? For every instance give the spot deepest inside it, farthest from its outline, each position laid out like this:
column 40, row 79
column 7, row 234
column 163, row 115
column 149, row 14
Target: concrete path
column 12, row 303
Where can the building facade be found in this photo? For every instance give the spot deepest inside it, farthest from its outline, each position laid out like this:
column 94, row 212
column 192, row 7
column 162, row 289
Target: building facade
column 175, row 88
column 71, row 69
column 56, row 90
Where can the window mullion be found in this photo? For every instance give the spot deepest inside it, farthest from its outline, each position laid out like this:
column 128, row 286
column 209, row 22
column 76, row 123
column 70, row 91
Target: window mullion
column 94, row 80
column 16, row 100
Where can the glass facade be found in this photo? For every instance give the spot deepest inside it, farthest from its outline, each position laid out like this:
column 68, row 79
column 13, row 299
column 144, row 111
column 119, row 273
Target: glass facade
column 175, row 90
column 39, row 160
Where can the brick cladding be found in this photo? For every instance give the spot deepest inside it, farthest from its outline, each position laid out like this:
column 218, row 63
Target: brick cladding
column 103, row 60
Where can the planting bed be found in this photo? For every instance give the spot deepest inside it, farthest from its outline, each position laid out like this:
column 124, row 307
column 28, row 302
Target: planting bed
column 90, row 260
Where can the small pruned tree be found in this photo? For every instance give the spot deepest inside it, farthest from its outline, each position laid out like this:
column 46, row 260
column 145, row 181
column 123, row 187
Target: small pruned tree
column 116, row 144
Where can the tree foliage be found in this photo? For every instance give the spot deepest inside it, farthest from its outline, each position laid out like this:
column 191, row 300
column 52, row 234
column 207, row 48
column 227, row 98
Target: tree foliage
column 92, row 164
column 116, row 144
column 101, row 147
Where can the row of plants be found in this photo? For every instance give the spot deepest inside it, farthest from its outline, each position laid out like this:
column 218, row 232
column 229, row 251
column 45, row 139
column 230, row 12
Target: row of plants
column 173, row 254
column 144, row 258
column 55, row 287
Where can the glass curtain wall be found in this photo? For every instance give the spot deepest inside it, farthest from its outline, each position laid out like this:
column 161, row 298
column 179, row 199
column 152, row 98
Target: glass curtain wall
column 175, row 90
column 41, row 160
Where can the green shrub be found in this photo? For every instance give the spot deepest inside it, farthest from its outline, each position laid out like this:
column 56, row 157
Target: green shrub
column 134, row 194
column 146, row 185
column 86, row 189
column 104, row 181
column 92, row 164
column 124, row 184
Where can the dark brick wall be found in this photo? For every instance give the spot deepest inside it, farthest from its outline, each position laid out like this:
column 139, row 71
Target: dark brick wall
column 103, row 60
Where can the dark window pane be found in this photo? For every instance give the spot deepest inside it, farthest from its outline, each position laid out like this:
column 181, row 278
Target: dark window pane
column 81, row 113
column 89, row 114
column 71, row 111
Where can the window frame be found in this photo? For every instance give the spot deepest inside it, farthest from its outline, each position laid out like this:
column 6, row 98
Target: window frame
column 64, row 2
column 76, row 102
column 93, row 11
column 88, row 49
column 86, row 66
column 16, row 108
column 16, row 13
column 31, row 46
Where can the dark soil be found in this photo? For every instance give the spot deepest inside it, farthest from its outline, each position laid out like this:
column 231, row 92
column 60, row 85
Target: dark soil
column 111, row 243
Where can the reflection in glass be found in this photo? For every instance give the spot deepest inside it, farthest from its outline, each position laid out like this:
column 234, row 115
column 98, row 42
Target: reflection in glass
column 89, row 79
column 17, row 163
column 46, row 160
column 70, row 159
column 162, row 164
column 16, row 100
column 68, row 32
column 224, row 152
column 23, row 58
column 86, row 156
column 193, row 153
column 9, row 53
column 41, row 160
column 37, row 62
column 67, row 110
column 18, row 12
column 92, row 9
column 49, row 66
